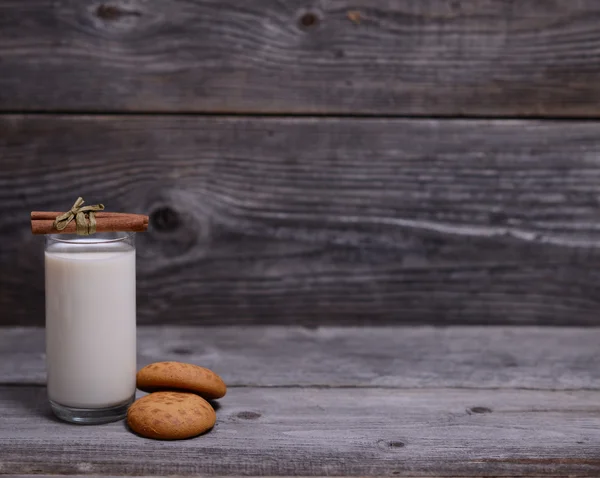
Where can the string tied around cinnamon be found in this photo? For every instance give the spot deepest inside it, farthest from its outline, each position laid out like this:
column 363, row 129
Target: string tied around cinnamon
column 84, row 216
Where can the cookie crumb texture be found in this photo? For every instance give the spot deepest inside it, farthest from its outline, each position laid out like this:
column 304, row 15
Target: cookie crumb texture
column 181, row 376
column 171, row 416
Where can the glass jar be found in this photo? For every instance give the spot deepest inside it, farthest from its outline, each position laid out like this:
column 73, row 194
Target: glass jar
column 90, row 325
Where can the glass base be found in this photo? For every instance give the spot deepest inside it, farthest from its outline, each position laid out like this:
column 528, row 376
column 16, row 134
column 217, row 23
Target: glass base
column 91, row 416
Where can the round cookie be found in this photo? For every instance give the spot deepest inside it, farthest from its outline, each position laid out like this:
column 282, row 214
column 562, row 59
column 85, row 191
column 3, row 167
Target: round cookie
column 181, row 376
column 171, row 416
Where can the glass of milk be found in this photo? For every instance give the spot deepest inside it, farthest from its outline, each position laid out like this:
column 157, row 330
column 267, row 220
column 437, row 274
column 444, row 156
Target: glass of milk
column 90, row 325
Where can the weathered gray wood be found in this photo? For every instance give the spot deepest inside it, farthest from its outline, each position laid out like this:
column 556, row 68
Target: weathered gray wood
column 268, row 424
column 360, row 56
column 400, row 357
column 326, row 432
column 320, row 221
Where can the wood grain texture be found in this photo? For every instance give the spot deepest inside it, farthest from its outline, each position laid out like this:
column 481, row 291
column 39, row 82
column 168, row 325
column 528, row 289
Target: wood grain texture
column 320, row 221
column 390, row 357
column 333, row 432
column 229, row 476
column 465, row 57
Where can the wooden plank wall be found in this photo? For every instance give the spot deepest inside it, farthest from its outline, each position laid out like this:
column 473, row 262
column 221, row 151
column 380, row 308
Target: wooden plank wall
column 331, row 162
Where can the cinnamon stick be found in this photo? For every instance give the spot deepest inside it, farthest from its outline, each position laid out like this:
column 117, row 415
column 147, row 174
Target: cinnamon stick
column 42, row 222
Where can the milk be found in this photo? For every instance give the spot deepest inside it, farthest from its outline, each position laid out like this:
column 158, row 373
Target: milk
column 90, row 324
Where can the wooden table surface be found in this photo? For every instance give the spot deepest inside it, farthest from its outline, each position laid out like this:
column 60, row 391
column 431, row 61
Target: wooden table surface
column 458, row 401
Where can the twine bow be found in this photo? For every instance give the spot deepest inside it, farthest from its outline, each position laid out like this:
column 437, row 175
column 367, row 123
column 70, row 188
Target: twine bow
column 81, row 216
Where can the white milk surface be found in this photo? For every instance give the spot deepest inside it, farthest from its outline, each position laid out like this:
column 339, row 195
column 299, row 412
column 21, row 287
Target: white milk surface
column 90, row 325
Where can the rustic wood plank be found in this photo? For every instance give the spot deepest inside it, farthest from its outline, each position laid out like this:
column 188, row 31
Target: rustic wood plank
column 467, row 57
column 367, row 432
column 320, row 221
column 399, row 357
